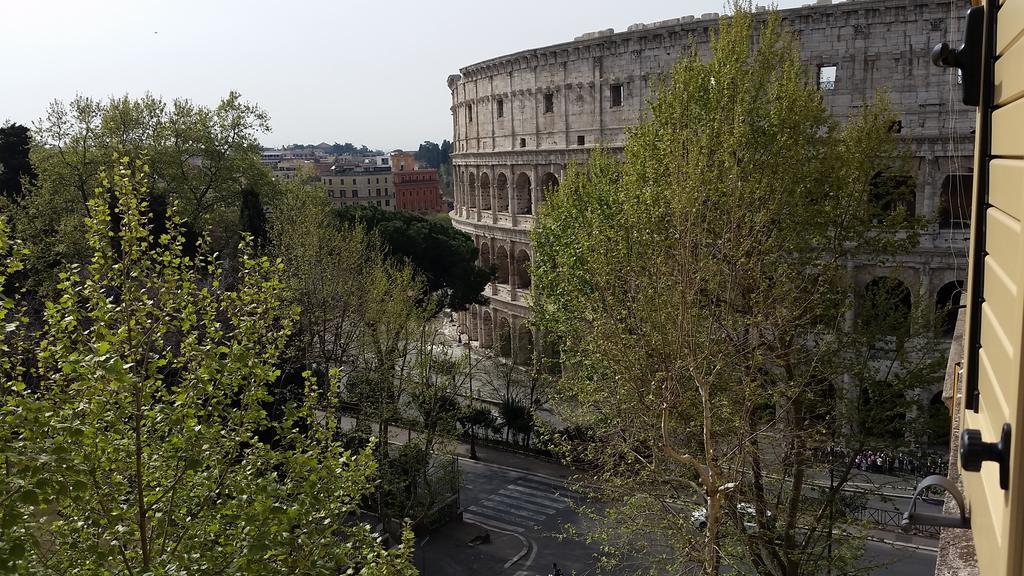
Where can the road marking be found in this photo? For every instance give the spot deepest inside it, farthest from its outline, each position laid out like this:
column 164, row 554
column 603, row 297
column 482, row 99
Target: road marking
column 544, row 480
column 560, row 503
column 563, row 491
column 538, row 494
column 512, row 510
column 488, row 523
column 518, row 502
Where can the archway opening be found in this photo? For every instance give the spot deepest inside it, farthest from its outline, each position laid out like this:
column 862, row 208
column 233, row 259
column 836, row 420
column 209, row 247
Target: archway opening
column 486, row 330
column 501, row 191
column 955, row 202
column 524, row 344
column 471, row 190
column 485, row 191
column 485, row 255
column 891, row 193
column 504, row 335
column 524, row 203
column 501, row 260
column 947, row 306
column 548, row 185
column 886, row 307
column 523, row 270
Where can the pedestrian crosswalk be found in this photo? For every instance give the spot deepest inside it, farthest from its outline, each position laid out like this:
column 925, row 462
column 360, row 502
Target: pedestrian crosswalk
column 521, row 505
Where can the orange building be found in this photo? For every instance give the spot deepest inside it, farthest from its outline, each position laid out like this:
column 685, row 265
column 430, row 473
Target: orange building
column 417, row 191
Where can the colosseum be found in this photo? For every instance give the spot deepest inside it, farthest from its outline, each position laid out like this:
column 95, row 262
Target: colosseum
column 520, row 119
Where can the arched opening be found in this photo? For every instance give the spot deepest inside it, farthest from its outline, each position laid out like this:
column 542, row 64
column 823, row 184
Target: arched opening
column 486, row 329
column 938, row 421
column 485, row 255
column 886, row 306
column 955, row 202
column 524, row 203
column 501, row 190
column 485, row 191
column 471, row 190
column 548, row 184
column 551, row 357
column 523, row 270
column 501, row 260
column 504, row 336
column 947, row 306
column 524, row 344
column 891, row 193
column 474, row 323
column 883, row 411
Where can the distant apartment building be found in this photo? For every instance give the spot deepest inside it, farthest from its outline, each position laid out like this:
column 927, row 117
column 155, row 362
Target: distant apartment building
column 418, row 191
column 367, row 186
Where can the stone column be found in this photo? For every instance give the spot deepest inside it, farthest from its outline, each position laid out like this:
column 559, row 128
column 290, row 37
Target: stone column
column 536, row 191
column 494, row 194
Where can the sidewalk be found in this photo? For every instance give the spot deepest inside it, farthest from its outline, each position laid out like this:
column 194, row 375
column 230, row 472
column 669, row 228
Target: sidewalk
column 485, row 454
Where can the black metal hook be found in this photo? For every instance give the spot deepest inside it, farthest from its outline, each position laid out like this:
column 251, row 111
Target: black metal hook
column 914, row 518
column 967, row 58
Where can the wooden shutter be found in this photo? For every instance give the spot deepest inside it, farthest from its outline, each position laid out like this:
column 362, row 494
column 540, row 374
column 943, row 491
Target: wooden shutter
column 995, row 314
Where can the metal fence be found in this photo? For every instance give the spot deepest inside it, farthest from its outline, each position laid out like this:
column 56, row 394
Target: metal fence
column 887, row 517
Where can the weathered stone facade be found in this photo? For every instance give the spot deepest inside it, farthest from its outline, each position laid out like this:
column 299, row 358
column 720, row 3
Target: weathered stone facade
column 519, row 119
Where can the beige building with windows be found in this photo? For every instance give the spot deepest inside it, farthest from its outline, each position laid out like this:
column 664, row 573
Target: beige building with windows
column 361, row 186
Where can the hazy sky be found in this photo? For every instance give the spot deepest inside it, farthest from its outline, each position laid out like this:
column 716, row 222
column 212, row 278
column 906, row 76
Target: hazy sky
column 368, row 73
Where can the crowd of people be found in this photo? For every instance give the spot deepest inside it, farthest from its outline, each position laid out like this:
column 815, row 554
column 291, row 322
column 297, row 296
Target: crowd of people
column 892, row 463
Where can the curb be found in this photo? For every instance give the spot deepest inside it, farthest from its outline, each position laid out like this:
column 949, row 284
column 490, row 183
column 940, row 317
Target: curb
column 907, row 545
column 511, row 469
column 517, row 557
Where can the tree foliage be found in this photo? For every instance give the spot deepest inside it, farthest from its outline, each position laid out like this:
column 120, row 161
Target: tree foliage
column 445, row 257
column 15, row 164
column 700, row 293
column 134, row 445
column 433, row 155
column 200, row 159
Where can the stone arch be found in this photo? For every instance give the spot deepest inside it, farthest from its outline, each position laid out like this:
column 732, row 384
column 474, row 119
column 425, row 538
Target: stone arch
column 548, row 184
column 887, row 306
column 524, row 203
column 486, row 329
column 471, row 190
column 503, row 335
column 890, row 192
column 485, row 191
column 955, row 202
column 501, row 189
column 523, row 269
column 947, row 306
column 474, row 323
column 501, row 261
column 524, row 344
column 485, row 254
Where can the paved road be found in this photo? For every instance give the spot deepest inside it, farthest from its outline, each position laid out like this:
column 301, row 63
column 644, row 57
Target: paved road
column 526, row 512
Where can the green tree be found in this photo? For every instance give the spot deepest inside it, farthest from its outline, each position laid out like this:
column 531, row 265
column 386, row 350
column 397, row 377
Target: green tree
column 15, row 165
column 200, row 159
column 445, row 257
column 136, row 449
column 701, row 296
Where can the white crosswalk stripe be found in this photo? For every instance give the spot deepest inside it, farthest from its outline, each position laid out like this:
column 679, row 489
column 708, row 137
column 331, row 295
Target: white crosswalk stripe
column 537, row 494
column 550, row 501
column 491, row 523
column 520, row 502
column 520, row 506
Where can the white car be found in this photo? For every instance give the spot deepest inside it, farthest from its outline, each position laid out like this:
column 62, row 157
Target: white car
column 699, row 517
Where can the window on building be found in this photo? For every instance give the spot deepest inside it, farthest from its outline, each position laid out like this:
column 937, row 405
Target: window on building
column 355, row 193
column 353, row 181
column 378, row 180
column 386, row 178
column 549, row 103
column 387, row 202
column 581, row 140
column 378, row 191
column 827, row 77
column 330, row 181
column 500, row 108
column 344, row 194
column 615, row 93
column 378, row 203
column 522, row 142
column 469, row 111
column 367, row 180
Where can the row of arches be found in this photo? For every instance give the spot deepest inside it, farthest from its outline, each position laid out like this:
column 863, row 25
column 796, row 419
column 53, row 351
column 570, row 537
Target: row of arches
column 481, row 193
column 887, row 304
column 513, row 341
column 514, row 271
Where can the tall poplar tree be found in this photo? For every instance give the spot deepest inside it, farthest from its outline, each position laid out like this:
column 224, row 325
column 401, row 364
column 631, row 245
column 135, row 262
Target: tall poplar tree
column 701, row 295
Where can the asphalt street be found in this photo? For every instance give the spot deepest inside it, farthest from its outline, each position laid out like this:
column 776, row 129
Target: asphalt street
column 524, row 514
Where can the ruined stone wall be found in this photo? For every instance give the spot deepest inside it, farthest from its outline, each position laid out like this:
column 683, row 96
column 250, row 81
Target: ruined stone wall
column 532, row 112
